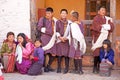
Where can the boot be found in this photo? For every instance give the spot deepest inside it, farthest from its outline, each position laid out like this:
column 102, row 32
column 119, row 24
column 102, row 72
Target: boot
column 98, row 64
column 95, row 64
column 66, row 65
column 75, row 66
column 59, row 64
column 80, row 66
column 45, row 67
column 51, row 59
column 48, row 68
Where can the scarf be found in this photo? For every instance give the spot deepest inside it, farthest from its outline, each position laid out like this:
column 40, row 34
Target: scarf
column 78, row 40
column 103, row 35
column 18, row 53
column 52, row 41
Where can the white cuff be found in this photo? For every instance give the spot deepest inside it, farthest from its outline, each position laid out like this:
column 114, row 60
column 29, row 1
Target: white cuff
column 106, row 26
column 57, row 34
column 43, row 30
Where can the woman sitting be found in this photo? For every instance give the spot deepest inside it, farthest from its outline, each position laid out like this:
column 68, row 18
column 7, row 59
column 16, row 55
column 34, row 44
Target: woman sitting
column 106, row 57
column 8, row 51
column 23, row 51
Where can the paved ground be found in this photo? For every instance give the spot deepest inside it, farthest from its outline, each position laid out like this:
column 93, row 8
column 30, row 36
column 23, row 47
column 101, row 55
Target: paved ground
column 88, row 75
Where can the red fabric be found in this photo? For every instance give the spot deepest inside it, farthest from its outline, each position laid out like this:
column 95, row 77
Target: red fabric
column 1, row 78
column 35, row 58
column 10, row 66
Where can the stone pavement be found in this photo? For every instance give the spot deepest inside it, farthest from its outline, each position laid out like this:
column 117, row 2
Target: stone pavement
column 88, row 75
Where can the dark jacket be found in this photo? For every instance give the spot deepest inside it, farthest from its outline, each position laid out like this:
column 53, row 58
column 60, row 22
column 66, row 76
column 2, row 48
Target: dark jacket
column 109, row 56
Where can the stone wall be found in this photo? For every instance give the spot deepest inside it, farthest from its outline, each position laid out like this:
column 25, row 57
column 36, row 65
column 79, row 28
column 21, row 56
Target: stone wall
column 14, row 16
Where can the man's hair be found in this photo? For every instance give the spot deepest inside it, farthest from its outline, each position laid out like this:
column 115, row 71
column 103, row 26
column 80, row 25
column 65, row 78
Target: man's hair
column 101, row 7
column 64, row 10
column 49, row 9
column 75, row 14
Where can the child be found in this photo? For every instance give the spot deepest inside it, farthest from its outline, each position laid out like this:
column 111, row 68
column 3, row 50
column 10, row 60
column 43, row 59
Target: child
column 7, row 52
column 62, row 46
column 77, row 43
column 37, row 58
column 106, row 58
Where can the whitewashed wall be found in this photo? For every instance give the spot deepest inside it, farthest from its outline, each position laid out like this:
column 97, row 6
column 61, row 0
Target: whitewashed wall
column 14, row 16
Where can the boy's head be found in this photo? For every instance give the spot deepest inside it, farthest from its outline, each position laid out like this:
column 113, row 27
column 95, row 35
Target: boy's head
column 74, row 16
column 102, row 11
column 63, row 13
column 37, row 43
column 49, row 12
column 10, row 36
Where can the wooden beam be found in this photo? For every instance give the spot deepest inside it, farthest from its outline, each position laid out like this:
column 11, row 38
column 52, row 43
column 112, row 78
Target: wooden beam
column 87, row 21
column 117, row 21
column 113, row 15
column 90, row 21
column 33, row 20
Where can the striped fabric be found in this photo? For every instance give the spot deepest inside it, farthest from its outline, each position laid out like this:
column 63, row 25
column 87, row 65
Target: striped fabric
column 9, row 67
column 104, row 69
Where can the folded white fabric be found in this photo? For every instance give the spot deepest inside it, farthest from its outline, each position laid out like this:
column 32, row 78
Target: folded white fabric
column 1, row 67
column 106, row 26
column 19, row 54
column 103, row 35
column 76, row 30
column 58, row 34
column 43, row 30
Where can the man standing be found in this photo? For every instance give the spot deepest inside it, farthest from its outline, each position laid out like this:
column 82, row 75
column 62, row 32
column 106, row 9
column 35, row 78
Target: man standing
column 62, row 46
column 102, row 26
column 46, row 26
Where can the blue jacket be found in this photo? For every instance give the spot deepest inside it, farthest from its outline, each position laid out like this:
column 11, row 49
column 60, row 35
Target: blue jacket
column 109, row 56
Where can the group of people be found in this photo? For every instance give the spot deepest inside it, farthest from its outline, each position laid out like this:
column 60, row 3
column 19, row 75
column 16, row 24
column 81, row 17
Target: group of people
column 21, row 54
column 59, row 39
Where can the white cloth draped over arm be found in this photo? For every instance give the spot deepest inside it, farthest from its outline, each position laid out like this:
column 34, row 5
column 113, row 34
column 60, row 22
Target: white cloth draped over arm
column 77, row 35
column 103, row 35
column 53, row 39
column 101, row 38
column 19, row 54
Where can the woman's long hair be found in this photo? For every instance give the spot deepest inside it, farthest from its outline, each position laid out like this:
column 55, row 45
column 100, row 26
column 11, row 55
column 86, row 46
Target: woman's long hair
column 24, row 39
column 108, row 43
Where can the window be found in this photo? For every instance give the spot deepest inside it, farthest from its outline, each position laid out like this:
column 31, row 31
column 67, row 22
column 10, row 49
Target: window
column 93, row 5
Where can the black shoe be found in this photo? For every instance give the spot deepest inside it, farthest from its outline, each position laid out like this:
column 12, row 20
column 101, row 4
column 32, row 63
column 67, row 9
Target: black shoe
column 58, row 70
column 46, row 69
column 81, row 72
column 50, row 69
column 66, row 65
column 73, row 71
column 59, row 64
column 95, row 70
column 80, row 66
column 65, row 71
